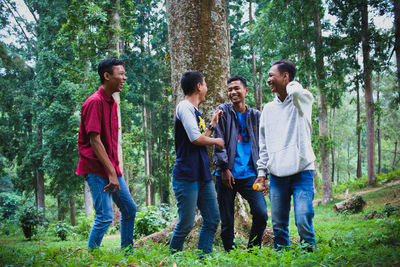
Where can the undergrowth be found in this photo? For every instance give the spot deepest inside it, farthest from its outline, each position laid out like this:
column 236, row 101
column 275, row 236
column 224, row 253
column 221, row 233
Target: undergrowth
column 342, row 239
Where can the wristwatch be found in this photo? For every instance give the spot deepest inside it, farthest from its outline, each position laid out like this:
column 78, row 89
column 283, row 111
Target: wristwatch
column 209, row 126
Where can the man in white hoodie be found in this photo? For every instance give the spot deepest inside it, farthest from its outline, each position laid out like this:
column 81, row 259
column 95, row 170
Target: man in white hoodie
column 287, row 156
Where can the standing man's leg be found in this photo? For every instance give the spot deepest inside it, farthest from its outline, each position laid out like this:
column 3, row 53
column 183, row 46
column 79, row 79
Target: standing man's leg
column 258, row 209
column 127, row 206
column 280, row 207
column 102, row 202
column 208, row 206
column 303, row 195
column 186, row 194
column 226, row 203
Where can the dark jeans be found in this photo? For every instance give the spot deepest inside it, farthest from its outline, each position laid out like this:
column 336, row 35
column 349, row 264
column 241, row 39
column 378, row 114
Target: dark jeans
column 226, row 203
column 301, row 186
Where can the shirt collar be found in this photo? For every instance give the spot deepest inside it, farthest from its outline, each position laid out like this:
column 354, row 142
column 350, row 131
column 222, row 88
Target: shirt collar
column 105, row 96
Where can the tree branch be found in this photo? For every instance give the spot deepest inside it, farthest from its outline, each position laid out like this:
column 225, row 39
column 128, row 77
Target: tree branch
column 16, row 20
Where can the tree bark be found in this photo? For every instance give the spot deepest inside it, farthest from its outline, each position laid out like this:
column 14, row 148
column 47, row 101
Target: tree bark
column 358, row 131
column 88, row 200
column 394, row 155
column 198, row 40
column 378, row 132
column 396, row 4
column 327, row 196
column 40, row 195
column 369, row 101
column 72, row 210
column 253, row 61
column 354, row 205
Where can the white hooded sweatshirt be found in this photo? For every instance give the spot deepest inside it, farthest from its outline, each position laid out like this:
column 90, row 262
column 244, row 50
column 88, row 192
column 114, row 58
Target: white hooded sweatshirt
column 285, row 134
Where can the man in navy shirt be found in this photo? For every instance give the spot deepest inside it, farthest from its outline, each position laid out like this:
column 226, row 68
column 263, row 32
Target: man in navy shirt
column 236, row 164
column 192, row 181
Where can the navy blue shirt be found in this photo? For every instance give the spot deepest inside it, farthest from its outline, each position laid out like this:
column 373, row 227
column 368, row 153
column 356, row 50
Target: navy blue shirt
column 192, row 163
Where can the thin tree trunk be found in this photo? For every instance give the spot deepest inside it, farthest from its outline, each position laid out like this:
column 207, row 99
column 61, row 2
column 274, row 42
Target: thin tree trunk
column 60, row 208
column 378, row 134
column 40, row 195
column 260, row 84
column 327, row 196
column 396, row 4
column 72, row 210
column 394, row 155
column 88, row 200
column 333, row 151
column 113, row 51
column 253, row 61
column 358, row 131
column 159, row 174
column 369, row 101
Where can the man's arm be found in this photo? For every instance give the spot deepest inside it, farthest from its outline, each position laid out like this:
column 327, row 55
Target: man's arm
column 263, row 160
column 208, row 141
column 101, row 154
column 302, row 98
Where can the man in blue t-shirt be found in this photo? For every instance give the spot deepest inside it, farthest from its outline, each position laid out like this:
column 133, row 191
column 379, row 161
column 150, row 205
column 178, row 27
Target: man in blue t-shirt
column 236, row 163
column 192, row 181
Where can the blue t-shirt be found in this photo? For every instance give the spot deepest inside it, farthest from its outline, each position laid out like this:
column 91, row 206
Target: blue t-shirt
column 243, row 166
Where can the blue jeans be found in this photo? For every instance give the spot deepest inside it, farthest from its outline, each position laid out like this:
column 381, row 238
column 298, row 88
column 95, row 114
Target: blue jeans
column 226, row 202
column 102, row 202
column 301, row 186
column 188, row 196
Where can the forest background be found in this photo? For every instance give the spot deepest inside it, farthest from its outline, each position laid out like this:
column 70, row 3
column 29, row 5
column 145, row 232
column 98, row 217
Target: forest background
column 345, row 52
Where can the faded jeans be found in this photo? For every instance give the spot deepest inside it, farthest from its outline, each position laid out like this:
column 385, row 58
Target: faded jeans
column 190, row 195
column 102, row 202
column 301, row 186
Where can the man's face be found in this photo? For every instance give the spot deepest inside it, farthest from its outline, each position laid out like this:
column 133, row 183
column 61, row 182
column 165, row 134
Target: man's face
column 203, row 90
column 237, row 92
column 276, row 80
column 117, row 79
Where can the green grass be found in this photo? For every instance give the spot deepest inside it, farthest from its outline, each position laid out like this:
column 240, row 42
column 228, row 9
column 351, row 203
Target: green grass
column 342, row 239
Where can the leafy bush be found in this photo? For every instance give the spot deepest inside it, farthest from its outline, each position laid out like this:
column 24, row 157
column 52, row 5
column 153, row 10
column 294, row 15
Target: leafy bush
column 62, row 229
column 151, row 219
column 29, row 219
column 83, row 226
column 9, row 203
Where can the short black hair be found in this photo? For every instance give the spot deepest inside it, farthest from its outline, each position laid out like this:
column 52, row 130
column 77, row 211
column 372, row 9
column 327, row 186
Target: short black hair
column 106, row 65
column 189, row 80
column 237, row 78
column 286, row 66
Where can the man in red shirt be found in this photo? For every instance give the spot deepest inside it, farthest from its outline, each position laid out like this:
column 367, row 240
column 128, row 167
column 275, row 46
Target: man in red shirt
column 97, row 145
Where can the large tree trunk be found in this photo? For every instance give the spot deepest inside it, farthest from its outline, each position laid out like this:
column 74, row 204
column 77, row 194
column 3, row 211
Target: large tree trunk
column 323, row 125
column 369, row 101
column 358, row 131
column 396, row 4
column 88, row 200
column 198, row 40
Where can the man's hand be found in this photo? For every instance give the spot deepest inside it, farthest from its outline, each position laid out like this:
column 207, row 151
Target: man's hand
column 215, row 119
column 219, row 142
column 113, row 184
column 227, row 178
column 264, row 182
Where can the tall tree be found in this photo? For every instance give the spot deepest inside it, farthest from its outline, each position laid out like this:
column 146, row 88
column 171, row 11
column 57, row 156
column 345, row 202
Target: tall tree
column 198, row 40
column 327, row 196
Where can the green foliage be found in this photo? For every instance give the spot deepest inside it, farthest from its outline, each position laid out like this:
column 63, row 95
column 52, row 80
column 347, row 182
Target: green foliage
column 9, row 205
column 29, row 219
column 62, row 229
column 83, row 226
column 151, row 219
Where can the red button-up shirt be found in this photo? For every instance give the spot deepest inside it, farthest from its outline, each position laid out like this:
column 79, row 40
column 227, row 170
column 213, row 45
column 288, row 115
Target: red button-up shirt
column 99, row 115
